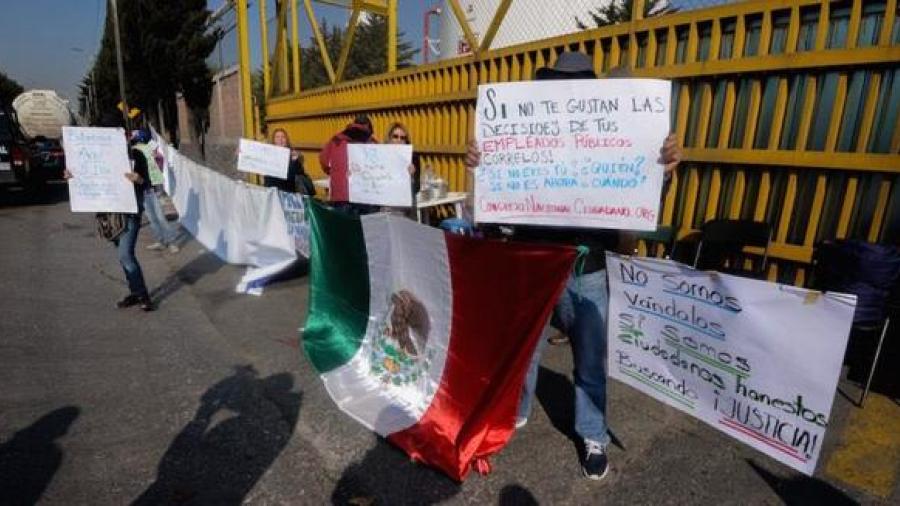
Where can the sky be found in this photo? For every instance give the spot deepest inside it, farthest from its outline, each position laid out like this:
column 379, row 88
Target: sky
column 50, row 44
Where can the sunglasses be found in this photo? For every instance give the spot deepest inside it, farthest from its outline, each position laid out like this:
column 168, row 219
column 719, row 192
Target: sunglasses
column 399, row 137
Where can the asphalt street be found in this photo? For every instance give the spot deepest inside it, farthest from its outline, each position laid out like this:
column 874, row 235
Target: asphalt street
column 209, row 400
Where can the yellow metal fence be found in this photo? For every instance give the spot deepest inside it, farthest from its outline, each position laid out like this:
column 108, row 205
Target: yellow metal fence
column 789, row 112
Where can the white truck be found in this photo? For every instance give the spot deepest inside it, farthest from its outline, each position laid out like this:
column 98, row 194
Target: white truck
column 41, row 115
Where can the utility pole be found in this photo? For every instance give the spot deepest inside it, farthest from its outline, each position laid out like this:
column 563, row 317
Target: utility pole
column 125, row 108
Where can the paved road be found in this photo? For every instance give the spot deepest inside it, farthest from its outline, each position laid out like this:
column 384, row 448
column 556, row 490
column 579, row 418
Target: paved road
column 210, row 401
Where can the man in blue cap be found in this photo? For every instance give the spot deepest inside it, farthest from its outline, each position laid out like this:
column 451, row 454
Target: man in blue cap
column 582, row 308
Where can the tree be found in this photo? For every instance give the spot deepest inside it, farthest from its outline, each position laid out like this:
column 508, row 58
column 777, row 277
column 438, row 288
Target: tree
column 368, row 56
column 9, row 89
column 164, row 47
column 618, row 11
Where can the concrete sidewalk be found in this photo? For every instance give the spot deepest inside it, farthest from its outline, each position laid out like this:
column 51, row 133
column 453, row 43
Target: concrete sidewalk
column 209, row 400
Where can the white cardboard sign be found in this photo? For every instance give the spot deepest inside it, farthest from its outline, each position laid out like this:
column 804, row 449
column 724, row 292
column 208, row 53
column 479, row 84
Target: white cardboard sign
column 379, row 174
column 262, row 158
column 758, row 361
column 98, row 161
column 575, row 153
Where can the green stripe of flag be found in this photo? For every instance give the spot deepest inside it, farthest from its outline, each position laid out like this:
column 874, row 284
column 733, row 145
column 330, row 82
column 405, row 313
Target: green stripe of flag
column 339, row 288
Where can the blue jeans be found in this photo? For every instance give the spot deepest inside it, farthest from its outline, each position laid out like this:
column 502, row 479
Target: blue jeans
column 581, row 314
column 125, row 247
column 158, row 222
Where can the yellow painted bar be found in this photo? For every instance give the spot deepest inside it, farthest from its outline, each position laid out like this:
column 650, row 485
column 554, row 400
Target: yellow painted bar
column 887, row 25
column 762, row 198
column 684, row 106
column 727, row 115
column 703, row 118
column 295, row 45
column 809, row 100
column 837, row 113
column 790, row 45
column 690, row 205
column 348, row 44
column 283, row 75
column 853, row 26
column 314, row 25
column 464, row 24
column 740, row 31
column 815, row 213
column 752, row 114
column 671, row 46
column 715, row 40
column 847, row 207
column 778, row 114
column 737, row 198
column 243, row 35
column 822, row 29
column 868, row 162
column 692, row 43
column 264, row 48
column 392, row 35
column 712, row 200
column 865, row 128
column 765, row 34
column 495, row 25
column 790, row 196
column 884, row 191
column 650, row 59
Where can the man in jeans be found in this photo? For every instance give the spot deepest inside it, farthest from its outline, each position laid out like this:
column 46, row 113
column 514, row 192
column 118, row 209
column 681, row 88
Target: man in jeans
column 166, row 235
column 582, row 308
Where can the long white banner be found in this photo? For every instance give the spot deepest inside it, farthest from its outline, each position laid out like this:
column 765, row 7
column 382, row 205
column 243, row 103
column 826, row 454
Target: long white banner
column 757, row 360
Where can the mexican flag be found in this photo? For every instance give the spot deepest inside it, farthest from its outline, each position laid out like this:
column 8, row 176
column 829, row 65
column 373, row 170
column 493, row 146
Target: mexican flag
column 425, row 337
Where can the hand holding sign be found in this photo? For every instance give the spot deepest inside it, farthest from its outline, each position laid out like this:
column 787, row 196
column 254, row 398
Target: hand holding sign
column 582, row 153
column 379, row 174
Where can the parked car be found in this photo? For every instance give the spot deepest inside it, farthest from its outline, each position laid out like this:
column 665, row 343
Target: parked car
column 47, row 158
column 15, row 156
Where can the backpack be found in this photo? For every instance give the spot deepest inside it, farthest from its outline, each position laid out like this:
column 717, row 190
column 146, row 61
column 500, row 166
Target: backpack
column 111, row 225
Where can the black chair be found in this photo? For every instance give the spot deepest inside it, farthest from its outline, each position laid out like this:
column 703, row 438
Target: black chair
column 872, row 273
column 664, row 236
column 722, row 243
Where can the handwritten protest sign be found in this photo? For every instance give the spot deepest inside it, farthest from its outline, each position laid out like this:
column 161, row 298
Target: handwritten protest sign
column 379, row 174
column 262, row 158
column 295, row 217
column 757, row 360
column 578, row 153
column 98, row 161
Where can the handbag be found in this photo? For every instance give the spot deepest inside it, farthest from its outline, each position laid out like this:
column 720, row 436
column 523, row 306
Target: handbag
column 111, row 225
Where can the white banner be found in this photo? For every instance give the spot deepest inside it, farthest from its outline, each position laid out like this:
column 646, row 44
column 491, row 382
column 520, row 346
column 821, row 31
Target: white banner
column 295, row 217
column 240, row 223
column 757, row 360
column 576, row 153
column 262, row 158
column 379, row 174
column 98, row 161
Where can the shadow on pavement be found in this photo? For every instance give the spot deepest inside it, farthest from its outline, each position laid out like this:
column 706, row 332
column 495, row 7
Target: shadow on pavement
column 386, row 475
column 242, row 425
column 204, row 265
column 517, row 495
column 802, row 489
column 29, row 460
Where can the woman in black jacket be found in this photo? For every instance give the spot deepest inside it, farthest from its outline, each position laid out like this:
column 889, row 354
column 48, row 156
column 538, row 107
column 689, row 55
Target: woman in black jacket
column 297, row 179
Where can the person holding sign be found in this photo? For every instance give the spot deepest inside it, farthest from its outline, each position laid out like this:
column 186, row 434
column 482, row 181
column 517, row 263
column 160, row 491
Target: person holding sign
column 127, row 239
column 297, row 180
column 334, row 161
column 582, row 308
column 398, row 134
column 166, row 236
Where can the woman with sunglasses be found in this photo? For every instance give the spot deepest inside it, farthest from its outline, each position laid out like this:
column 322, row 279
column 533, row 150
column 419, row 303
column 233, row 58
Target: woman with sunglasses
column 398, row 134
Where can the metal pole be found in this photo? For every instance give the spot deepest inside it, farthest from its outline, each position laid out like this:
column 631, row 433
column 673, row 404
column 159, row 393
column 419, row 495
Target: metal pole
column 243, row 35
column 125, row 108
column 392, row 35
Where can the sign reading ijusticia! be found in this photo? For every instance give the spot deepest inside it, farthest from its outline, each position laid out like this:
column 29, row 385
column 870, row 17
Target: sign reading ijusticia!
column 757, row 360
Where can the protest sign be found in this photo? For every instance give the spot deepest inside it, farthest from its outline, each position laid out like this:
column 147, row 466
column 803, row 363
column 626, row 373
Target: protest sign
column 577, row 153
column 98, row 161
column 757, row 360
column 295, row 217
column 379, row 174
column 262, row 158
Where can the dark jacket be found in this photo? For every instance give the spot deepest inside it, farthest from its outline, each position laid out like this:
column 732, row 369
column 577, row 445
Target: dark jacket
column 139, row 165
column 297, row 180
